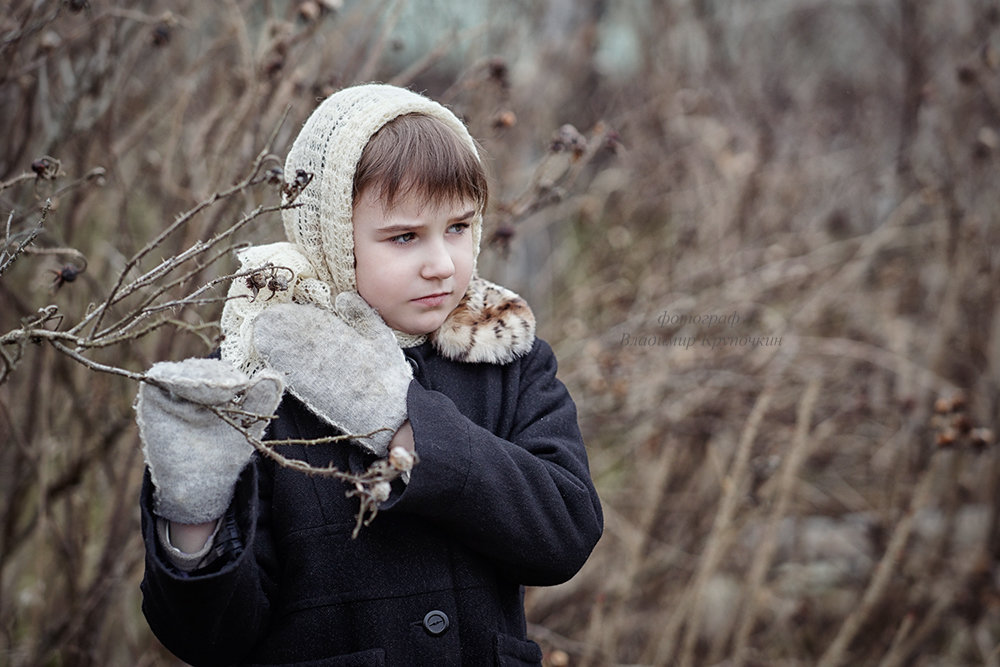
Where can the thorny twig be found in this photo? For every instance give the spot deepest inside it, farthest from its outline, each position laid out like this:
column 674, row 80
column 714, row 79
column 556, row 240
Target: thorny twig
column 569, row 153
column 270, row 277
column 88, row 334
column 20, row 178
column 96, row 318
column 7, row 257
column 125, row 328
column 168, row 265
column 371, row 487
column 144, row 309
column 120, row 290
column 49, row 169
column 33, row 329
column 44, row 168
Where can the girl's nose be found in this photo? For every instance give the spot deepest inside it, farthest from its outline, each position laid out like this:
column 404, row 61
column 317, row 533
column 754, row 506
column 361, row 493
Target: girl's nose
column 438, row 263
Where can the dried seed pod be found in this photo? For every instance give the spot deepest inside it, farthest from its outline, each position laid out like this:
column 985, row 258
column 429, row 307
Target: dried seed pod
column 275, row 175
column 273, row 65
column 946, row 438
column 46, row 168
column 954, row 403
column 982, row 437
column 380, row 491
column 291, row 190
column 987, row 141
column 401, row 459
column 277, row 283
column 256, row 281
column 505, row 119
column 161, row 34
column 568, row 138
column 613, row 141
column 966, row 74
column 50, row 40
column 309, row 11
column 66, row 274
column 559, row 658
column 499, row 72
column 961, row 423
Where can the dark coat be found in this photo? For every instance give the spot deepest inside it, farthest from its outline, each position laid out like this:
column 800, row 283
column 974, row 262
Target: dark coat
column 501, row 498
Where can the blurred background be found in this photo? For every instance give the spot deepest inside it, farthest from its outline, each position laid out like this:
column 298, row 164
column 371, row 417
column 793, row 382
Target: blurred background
column 763, row 238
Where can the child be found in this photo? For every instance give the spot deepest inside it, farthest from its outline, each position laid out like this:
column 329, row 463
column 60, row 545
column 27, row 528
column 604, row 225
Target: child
column 383, row 325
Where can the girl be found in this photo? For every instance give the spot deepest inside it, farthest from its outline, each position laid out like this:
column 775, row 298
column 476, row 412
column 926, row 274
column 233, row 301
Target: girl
column 384, row 325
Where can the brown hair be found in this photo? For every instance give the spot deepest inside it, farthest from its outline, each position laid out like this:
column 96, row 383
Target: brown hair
column 419, row 153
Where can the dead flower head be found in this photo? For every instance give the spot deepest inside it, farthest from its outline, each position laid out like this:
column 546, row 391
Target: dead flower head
column 273, row 278
column 46, row 168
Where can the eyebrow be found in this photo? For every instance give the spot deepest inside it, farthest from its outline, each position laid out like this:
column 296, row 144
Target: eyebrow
column 401, row 229
column 398, row 229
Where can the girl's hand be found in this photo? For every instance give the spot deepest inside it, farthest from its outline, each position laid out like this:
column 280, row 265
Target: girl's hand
column 345, row 366
column 194, row 457
column 403, row 438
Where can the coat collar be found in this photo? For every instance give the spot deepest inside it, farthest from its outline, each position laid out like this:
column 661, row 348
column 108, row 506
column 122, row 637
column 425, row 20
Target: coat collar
column 491, row 324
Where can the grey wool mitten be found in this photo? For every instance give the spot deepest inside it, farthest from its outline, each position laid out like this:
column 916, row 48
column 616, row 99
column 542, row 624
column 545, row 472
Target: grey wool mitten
column 346, row 367
column 194, row 457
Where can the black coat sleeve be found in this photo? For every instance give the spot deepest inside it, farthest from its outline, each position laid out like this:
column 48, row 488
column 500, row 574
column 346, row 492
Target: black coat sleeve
column 215, row 616
column 525, row 500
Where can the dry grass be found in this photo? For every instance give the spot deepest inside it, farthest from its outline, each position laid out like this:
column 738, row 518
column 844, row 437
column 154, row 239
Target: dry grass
column 811, row 480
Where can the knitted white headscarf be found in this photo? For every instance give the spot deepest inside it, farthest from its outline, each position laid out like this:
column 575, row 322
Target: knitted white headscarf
column 329, row 147
column 319, row 254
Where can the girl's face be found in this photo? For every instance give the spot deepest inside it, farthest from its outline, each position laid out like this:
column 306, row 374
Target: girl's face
column 413, row 263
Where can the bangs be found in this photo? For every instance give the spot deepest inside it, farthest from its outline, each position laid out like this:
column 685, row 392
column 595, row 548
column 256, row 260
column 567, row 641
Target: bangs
column 418, row 154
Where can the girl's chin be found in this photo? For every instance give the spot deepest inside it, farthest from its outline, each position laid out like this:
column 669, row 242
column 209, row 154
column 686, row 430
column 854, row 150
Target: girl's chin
column 421, row 328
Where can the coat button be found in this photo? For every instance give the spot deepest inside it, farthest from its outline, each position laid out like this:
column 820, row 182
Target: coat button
column 436, row 622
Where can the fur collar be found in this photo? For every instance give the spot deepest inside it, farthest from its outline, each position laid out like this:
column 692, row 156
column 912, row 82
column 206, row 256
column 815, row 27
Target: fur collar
column 491, row 324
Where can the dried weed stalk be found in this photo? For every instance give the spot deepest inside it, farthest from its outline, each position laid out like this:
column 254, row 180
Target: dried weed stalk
column 152, row 293
column 372, row 487
column 135, row 306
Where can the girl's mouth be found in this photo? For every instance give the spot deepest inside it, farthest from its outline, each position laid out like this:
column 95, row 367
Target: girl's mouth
column 432, row 300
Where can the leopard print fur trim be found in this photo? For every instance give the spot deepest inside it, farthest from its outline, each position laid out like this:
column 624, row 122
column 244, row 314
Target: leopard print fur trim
column 491, row 324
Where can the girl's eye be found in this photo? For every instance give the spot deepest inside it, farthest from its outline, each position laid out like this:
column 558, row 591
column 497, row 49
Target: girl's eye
column 458, row 228
column 403, row 239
